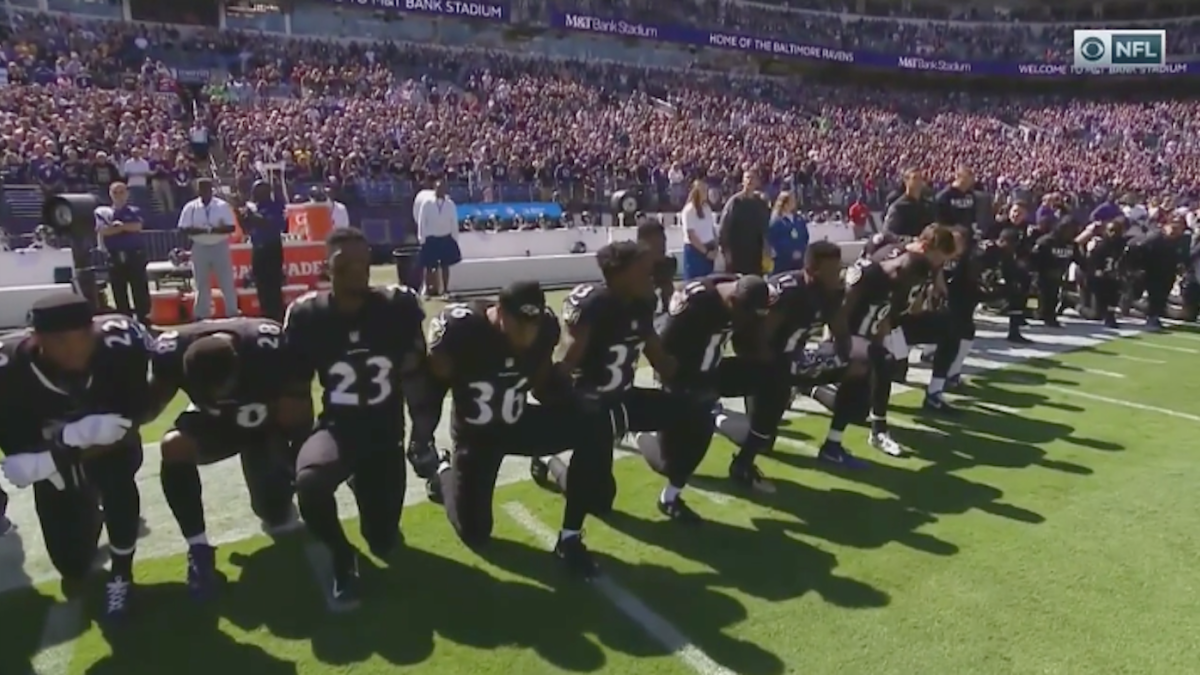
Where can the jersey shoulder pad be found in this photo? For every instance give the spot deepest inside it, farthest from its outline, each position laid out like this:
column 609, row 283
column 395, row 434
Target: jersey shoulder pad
column 266, row 334
column 452, row 320
column 119, row 332
column 687, row 295
column 854, row 273
column 9, row 344
column 582, row 298
column 403, row 296
column 301, row 307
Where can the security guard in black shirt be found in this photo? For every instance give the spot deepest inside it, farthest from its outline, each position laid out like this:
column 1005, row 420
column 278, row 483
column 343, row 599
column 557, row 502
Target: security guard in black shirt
column 956, row 203
column 909, row 213
column 1053, row 252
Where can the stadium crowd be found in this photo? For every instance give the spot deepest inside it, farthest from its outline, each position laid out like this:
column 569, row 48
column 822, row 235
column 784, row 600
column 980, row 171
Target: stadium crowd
column 88, row 91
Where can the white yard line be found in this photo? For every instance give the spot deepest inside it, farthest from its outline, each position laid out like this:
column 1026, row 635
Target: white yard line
column 1133, row 405
column 659, row 629
column 1165, row 348
column 57, row 645
column 1103, row 373
column 23, row 560
column 1138, row 359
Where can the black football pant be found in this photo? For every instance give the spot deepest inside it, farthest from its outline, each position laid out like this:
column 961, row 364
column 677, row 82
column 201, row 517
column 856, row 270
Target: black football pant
column 683, row 444
column 266, row 466
column 1158, row 293
column 128, row 280
column 1191, row 296
column 266, row 264
column 71, row 518
column 469, row 486
column 945, row 329
column 1049, row 293
column 376, row 470
column 1100, row 296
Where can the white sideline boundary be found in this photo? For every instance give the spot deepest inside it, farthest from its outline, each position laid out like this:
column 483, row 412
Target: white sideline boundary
column 658, row 628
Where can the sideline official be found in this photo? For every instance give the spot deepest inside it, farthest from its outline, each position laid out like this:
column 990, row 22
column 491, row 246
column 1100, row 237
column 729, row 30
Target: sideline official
column 743, row 232
column 437, row 228
column 265, row 221
column 119, row 233
column 208, row 220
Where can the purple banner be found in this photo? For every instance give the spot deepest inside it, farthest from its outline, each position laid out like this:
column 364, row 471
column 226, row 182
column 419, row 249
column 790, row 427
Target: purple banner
column 465, row 8
column 776, row 47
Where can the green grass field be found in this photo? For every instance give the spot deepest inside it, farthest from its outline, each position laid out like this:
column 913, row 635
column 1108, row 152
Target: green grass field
column 1049, row 529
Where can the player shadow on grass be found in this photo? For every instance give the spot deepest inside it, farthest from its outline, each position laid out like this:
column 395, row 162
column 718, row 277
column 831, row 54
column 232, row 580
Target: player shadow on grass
column 976, row 420
column 420, row 595
column 172, row 634
column 25, row 611
column 695, row 608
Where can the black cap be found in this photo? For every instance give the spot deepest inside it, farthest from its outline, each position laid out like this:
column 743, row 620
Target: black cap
column 60, row 312
column 752, row 293
column 204, row 181
column 524, row 299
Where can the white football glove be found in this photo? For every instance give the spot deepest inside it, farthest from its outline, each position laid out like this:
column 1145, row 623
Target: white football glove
column 26, row 469
column 95, row 430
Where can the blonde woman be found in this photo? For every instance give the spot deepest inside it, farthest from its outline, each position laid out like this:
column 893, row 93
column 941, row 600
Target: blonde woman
column 700, row 227
column 787, row 236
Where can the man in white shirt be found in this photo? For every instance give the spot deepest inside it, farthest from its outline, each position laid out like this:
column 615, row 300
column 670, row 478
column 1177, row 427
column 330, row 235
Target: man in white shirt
column 136, row 169
column 208, row 220
column 437, row 230
column 338, row 215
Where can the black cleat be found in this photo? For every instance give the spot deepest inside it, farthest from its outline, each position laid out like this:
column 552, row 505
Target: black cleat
column 539, row 471
column 679, row 511
column 344, row 591
column 1018, row 339
column 748, row 476
column 936, row 403
column 575, row 556
column 433, row 490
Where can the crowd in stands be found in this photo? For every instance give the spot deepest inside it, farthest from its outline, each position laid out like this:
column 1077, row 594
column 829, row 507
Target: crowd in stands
column 516, row 127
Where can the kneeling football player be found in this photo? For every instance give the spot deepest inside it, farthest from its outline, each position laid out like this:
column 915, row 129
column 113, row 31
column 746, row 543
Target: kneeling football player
column 243, row 401
column 73, row 391
column 803, row 302
column 490, row 357
column 609, row 326
column 703, row 317
column 367, row 349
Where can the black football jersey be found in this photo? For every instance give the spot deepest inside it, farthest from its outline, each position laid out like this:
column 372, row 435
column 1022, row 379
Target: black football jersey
column 35, row 401
column 878, row 294
column 490, row 380
column 357, row 358
column 264, row 369
column 617, row 334
column 803, row 309
column 698, row 328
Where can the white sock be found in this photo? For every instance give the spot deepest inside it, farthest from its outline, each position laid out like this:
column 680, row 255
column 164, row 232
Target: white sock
column 834, row 436
column 198, row 540
column 669, row 494
column 936, row 385
column 567, row 534
column 964, row 349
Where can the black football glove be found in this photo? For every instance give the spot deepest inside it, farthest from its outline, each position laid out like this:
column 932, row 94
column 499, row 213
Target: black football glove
column 424, row 458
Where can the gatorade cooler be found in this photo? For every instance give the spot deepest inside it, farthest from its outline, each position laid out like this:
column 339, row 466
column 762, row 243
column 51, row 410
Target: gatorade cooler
column 248, row 302
column 218, row 301
column 166, row 307
column 293, row 291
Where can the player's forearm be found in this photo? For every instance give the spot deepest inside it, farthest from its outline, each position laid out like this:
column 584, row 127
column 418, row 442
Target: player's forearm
column 424, row 394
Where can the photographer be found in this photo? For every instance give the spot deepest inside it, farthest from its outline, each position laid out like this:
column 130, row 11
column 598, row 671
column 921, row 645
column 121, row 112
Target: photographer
column 744, row 224
column 208, row 221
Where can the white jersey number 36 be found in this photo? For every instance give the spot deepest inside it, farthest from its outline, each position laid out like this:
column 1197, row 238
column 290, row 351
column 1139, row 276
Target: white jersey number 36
column 510, row 406
column 345, row 390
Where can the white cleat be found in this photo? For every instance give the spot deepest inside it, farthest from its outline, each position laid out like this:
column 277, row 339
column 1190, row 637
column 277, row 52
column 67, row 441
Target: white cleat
column 884, row 443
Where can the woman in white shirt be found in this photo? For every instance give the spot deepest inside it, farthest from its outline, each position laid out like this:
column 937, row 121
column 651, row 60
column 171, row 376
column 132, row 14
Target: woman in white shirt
column 700, row 228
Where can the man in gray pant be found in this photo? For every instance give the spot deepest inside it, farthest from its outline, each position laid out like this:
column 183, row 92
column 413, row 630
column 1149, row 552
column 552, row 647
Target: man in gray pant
column 208, row 220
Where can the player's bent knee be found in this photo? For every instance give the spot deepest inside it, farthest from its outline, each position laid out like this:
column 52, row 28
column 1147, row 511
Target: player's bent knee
column 311, row 480
column 177, row 446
